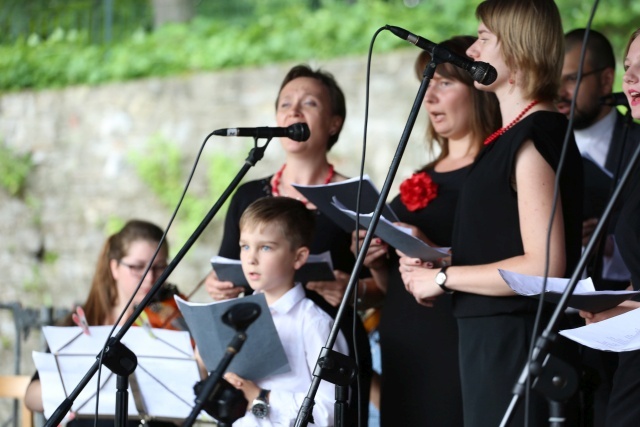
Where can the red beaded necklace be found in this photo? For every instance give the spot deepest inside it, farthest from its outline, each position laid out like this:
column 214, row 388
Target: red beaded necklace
column 503, row 129
column 276, row 181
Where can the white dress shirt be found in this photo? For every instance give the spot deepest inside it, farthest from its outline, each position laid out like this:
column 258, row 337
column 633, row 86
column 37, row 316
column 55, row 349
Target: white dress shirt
column 595, row 140
column 303, row 328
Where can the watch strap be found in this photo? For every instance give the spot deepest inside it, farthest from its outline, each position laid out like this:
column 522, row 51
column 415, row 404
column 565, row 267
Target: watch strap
column 442, row 285
column 264, row 395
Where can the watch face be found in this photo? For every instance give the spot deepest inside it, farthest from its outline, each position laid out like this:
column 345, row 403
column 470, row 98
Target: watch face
column 260, row 409
column 440, row 278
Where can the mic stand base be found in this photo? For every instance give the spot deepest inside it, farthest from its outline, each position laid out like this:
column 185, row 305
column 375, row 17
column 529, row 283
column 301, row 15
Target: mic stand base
column 337, row 369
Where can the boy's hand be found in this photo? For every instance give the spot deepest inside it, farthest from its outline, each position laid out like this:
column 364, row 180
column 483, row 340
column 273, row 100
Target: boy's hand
column 248, row 387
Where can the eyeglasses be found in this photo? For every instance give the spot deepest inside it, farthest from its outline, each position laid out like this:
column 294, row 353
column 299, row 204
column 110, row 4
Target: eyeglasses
column 138, row 270
column 572, row 79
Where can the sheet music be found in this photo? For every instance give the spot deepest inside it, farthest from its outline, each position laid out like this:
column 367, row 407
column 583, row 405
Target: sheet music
column 345, row 191
column 584, row 296
column 262, row 354
column 398, row 237
column 318, row 267
column 619, row 333
column 165, row 375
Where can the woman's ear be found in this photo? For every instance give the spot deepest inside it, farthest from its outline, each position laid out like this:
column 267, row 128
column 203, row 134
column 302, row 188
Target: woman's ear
column 302, row 254
column 113, row 266
column 336, row 125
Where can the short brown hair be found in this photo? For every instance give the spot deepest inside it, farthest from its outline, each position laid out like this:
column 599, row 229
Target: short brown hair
column 485, row 117
column 530, row 32
column 598, row 47
column 338, row 103
column 291, row 216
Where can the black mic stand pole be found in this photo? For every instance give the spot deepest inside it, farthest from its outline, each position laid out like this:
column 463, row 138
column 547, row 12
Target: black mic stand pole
column 556, row 384
column 114, row 343
column 307, row 405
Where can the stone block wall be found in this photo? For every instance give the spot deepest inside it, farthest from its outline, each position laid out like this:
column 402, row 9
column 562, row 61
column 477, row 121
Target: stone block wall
column 81, row 139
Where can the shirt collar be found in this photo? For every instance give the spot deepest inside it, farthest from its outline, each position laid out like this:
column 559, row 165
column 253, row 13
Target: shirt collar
column 595, row 139
column 287, row 301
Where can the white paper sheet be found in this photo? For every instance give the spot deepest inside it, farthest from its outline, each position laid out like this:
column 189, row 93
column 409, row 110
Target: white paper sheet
column 619, row 333
column 166, row 371
column 584, row 296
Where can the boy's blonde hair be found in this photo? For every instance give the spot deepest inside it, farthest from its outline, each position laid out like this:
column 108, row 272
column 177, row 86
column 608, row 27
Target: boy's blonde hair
column 290, row 216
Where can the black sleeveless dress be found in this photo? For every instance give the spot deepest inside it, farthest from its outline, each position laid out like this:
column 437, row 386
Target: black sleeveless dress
column 495, row 332
column 419, row 345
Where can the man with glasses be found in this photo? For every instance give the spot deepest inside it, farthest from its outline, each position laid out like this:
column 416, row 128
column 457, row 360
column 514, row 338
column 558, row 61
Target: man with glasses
column 599, row 130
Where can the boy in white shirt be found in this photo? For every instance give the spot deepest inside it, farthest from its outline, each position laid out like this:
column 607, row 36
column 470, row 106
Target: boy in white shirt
column 275, row 234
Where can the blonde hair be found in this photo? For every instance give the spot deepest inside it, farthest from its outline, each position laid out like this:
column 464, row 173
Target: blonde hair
column 290, row 216
column 634, row 36
column 532, row 42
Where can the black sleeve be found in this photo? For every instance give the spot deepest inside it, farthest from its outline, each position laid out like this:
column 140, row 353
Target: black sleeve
column 628, row 229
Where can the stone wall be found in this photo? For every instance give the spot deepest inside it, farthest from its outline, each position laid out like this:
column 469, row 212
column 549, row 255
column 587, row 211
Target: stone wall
column 81, row 139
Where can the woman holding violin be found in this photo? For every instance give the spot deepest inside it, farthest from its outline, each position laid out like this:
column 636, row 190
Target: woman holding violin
column 121, row 264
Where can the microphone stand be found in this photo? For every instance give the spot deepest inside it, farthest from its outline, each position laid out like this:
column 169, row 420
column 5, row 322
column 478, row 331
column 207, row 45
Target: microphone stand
column 307, row 405
column 239, row 317
column 558, row 384
column 114, row 343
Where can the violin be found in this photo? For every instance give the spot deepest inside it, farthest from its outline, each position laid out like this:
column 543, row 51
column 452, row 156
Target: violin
column 162, row 311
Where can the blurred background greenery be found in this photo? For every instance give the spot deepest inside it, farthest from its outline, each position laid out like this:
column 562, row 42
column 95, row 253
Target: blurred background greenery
column 56, row 43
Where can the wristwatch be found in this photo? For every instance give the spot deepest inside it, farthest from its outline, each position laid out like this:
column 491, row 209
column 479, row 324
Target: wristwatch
column 441, row 278
column 260, row 405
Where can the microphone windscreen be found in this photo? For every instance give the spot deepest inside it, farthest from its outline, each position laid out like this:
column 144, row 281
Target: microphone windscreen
column 298, row 132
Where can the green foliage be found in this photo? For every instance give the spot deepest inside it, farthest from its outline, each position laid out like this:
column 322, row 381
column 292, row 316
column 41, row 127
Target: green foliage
column 164, row 169
column 14, row 170
column 264, row 34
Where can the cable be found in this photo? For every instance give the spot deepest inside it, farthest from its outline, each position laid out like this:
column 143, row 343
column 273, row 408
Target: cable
column 358, row 196
column 144, row 275
column 556, row 188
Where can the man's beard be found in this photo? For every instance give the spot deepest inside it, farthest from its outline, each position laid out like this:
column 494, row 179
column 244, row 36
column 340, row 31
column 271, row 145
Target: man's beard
column 584, row 118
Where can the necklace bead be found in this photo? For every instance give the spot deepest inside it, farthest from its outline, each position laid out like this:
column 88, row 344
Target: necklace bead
column 278, row 176
column 503, row 129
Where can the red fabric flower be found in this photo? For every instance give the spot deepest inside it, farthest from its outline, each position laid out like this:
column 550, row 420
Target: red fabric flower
column 417, row 191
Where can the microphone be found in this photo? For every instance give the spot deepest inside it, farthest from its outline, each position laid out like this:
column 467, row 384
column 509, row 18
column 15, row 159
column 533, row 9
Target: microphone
column 241, row 315
column 480, row 71
column 615, row 99
column 297, row 132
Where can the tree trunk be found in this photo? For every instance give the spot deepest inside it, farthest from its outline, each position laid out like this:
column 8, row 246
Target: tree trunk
column 165, row 11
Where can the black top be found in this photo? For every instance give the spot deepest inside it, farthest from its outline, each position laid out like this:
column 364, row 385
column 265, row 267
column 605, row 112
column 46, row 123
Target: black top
column 628, row 228
column 487, row 227
column 419, row 344
column 328, row 237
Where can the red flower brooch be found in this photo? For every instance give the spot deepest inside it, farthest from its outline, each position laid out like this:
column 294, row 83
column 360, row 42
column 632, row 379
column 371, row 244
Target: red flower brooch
column 417, row 191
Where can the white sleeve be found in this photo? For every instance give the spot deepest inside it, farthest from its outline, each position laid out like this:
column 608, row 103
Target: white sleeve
column 284, row 405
